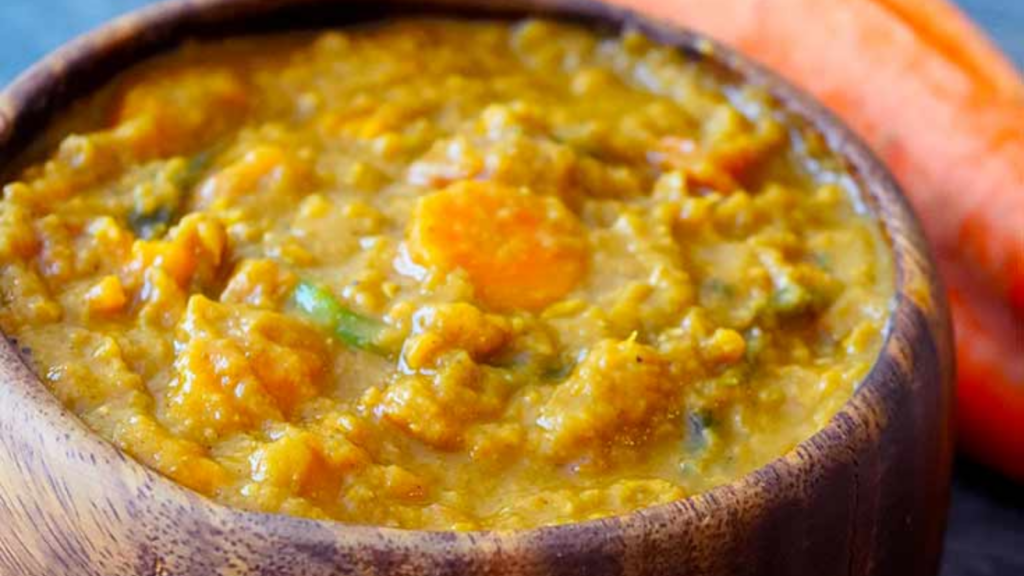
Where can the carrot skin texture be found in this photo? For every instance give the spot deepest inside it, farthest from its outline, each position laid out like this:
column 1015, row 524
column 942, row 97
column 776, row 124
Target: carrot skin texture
column 990, row 382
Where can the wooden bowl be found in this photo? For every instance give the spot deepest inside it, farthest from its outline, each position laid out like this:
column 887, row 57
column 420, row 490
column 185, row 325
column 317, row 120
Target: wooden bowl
column 865, row 495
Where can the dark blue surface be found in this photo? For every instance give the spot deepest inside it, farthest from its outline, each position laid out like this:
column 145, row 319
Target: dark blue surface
column 31, row 28
column 986, row 531
column 1004, row 21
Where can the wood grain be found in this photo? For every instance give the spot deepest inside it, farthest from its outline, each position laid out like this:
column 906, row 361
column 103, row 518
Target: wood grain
column 866, row 495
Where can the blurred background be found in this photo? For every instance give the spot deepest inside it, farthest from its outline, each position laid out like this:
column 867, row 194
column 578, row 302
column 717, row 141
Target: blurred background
column 31, row 28
column 986, row 527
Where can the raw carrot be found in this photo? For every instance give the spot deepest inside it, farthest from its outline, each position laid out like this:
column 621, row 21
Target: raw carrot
column 990, row 383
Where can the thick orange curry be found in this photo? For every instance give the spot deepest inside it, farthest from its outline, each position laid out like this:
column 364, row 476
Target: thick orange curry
column 442, row 275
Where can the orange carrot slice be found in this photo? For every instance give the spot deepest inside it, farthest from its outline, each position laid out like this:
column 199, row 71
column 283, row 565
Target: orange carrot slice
column 243, row 176
column 681, row 154
column 520, row 250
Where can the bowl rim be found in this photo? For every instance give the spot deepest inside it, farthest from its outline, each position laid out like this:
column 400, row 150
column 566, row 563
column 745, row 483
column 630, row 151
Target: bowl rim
column 44, row 90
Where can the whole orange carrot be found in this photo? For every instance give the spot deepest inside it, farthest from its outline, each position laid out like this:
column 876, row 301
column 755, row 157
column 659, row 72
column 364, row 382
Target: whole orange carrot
column 990, row 373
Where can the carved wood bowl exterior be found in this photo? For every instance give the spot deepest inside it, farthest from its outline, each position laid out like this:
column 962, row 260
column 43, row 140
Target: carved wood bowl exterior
column 866, row 495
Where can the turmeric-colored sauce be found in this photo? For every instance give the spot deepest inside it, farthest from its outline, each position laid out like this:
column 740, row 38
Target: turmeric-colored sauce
column 439, row 274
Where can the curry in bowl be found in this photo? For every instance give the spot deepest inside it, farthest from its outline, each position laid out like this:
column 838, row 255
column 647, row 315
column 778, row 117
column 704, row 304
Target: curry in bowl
column 442, row 274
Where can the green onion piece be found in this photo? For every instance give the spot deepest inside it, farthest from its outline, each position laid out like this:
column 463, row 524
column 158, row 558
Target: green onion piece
column 354, row 329
column 149, row 225
column 158, row 200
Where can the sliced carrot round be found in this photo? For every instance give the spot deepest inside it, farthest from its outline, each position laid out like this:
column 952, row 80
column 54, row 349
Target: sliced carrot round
column 520, row 250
